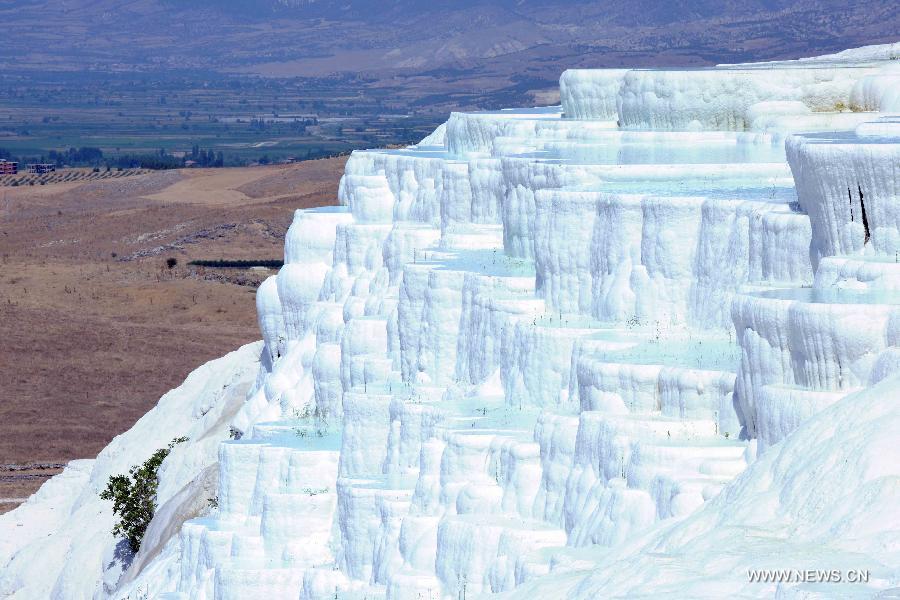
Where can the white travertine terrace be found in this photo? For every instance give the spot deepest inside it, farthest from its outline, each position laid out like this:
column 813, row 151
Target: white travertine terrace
column 546, row 341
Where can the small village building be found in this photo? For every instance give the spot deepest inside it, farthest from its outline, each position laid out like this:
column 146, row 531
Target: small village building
column 41, row 168
column 8, row 167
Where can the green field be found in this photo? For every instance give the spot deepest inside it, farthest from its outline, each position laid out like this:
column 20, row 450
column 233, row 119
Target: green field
column 247, row 119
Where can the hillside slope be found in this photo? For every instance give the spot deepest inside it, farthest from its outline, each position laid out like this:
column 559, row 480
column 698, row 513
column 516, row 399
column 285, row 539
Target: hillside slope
column 506, row 40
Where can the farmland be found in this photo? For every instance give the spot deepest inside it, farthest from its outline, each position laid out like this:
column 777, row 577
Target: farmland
column 246, row 119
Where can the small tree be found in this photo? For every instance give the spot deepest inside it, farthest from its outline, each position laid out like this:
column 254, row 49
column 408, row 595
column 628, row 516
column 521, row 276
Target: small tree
column 171, row 262
column 134, row 496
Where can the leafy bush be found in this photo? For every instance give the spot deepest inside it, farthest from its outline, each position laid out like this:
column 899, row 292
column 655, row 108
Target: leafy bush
column 134, row 496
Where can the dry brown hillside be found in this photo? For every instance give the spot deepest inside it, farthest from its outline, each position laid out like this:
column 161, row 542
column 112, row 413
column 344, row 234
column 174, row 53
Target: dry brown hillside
column 95, row 327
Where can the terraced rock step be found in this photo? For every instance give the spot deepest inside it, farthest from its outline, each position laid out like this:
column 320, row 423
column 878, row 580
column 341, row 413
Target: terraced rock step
column 534, row 333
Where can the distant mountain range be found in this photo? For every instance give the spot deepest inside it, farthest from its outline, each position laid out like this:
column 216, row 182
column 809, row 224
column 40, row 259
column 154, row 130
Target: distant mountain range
column 427, row 47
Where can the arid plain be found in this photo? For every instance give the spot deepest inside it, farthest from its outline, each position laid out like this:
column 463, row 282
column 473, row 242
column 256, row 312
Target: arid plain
column 94, row 324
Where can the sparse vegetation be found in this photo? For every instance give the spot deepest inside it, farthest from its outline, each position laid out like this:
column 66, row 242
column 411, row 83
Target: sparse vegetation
column 319, row 420
column 134, row 496
column 65, row 176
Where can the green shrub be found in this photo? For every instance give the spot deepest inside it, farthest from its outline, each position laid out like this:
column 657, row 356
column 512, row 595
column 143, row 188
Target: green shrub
column 134, row 496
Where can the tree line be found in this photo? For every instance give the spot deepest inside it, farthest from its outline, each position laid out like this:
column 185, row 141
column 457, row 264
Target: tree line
column 161, row 159
column 94, row 157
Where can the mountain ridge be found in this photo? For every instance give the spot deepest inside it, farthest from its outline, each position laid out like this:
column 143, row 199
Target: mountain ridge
column 246, row 35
